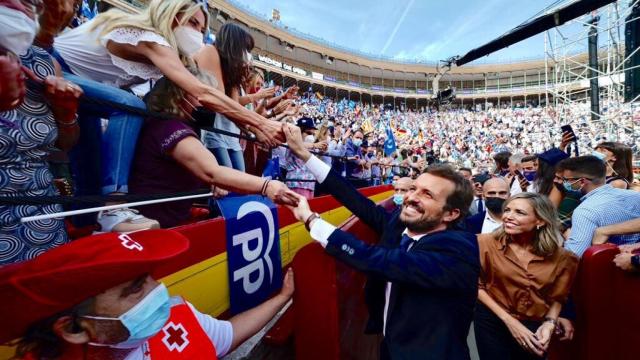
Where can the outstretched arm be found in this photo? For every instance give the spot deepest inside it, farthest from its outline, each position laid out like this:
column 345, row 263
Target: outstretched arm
column 628, row 227
column 366, row 210
column 190, row 153
column 248, row 323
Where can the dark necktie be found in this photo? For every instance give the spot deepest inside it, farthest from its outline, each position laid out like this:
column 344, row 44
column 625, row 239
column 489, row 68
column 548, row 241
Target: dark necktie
column 480, row 206
column 405, row 242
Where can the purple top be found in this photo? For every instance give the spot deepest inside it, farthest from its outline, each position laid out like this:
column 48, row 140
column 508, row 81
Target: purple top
column 155, row 172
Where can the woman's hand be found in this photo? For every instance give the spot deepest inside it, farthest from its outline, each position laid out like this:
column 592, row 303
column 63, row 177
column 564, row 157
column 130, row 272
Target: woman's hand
column 291, row 92
column 270, row 133
column 544, row 332
column 524, row 336
column 282, row 106
column 12, row 83
column 279, row 193
column 218, row 192
column 265, row 93
column 565, row 329
column 288, row 285
column 63, row 97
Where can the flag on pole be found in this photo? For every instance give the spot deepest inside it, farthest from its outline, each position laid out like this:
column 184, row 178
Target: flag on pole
column 390, row 143
column 367, row 127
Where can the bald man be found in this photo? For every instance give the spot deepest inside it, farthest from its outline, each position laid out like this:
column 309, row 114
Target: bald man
column 400, row 188
column 494, row 192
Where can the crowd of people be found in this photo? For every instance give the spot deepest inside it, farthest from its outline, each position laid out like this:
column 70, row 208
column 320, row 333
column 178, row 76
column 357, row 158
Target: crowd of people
column 535, row 193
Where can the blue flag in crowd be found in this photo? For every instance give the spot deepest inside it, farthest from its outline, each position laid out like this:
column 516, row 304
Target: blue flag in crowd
column 390, row 143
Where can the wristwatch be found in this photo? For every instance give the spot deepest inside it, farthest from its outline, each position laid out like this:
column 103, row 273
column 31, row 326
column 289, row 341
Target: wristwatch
column 635, row 261
column 307, row 223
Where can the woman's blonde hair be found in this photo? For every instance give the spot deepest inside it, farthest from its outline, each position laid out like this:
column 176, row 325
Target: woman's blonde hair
column 322, row 132
column 166, row 97
column 158, row 17
column 548, row 238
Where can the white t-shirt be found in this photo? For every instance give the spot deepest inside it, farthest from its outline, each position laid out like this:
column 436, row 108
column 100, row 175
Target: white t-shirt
column 219, row 331
column 85, row 52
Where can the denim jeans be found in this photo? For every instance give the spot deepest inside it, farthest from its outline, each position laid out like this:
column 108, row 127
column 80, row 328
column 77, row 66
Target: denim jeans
column 229, row 158
column 101, row 161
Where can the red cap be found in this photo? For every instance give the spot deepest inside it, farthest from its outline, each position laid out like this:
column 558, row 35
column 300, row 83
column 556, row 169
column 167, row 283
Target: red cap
column 67, row 275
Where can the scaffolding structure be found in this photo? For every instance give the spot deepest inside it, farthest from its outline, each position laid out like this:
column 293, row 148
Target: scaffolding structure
column 568, row 72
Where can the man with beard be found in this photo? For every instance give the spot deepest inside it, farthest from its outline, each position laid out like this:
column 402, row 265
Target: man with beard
column 422, row 284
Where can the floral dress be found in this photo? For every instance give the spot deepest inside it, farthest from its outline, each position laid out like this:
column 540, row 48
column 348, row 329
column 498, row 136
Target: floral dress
column 27, row 136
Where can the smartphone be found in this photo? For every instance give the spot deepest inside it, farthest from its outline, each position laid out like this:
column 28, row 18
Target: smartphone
column 569, row 129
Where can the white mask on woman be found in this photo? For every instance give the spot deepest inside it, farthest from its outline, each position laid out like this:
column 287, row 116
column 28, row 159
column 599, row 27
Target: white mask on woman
column 190, row 40
column 17, row 30
column 309, row 139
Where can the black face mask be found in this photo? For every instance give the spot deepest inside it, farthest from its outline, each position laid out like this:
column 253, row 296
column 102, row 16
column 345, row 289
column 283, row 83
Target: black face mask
column 203, row 117
column 494, row 204
column 560, row 187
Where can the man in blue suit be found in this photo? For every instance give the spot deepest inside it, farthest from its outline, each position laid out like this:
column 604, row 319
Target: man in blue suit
column 422, row 285
column 494, row 193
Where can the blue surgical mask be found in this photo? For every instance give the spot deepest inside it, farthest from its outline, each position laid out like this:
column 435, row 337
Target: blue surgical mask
column 569, row 186
column 529, row 175
column 398, row 199
column 357, row 142
column 144, row 320
column 599, row 155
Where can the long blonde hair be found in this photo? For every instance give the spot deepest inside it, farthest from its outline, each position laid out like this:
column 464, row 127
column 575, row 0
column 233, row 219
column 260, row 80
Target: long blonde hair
column 158, row 17
column 548, row 238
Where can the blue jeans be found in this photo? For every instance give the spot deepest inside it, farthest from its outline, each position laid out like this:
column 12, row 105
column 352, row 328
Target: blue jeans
column 229, row 158
column 101, row 161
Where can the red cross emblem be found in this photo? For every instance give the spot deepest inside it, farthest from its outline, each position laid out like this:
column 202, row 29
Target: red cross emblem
column 175, row 337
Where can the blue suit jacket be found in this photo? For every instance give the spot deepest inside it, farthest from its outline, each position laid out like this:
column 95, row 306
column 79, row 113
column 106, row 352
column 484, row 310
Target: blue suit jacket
column 435, row 283
column 473, row 224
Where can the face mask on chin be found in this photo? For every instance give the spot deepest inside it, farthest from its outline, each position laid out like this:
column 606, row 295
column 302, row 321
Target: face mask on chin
column 398, row 199
column 190, row 40
column 17, row 30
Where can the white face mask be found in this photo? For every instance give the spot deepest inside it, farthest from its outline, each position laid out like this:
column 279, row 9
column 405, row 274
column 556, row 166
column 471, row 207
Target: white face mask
column 17, row 30
column 190, row 40
column 309, row 139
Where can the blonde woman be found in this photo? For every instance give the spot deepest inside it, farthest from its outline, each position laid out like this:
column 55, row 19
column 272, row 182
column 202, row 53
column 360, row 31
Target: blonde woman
column 526, row 276
column 121, row 49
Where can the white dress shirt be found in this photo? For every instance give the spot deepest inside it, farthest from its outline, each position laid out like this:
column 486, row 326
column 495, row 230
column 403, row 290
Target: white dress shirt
column 321, row 230
column 489, row 224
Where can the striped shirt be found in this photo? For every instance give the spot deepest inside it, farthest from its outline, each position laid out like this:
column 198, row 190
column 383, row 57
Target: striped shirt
column 603, row 206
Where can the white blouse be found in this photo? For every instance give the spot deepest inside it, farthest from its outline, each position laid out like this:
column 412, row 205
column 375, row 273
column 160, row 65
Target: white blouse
column 85, row 52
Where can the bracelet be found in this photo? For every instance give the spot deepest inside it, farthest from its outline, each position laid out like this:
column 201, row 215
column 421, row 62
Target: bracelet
column 307, row 223
column 551, row 320
column 264, row 187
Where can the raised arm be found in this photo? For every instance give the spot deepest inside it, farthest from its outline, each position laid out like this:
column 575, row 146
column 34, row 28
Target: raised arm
column 603, row 233
column 366, row 210
column 191, row 154
column 167, row 60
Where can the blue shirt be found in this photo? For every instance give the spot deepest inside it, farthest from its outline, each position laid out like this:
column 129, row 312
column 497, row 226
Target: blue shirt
column 603, row 206
column 353, row 169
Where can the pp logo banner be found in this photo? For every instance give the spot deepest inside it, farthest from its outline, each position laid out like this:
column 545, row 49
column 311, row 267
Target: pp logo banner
column 253, row 250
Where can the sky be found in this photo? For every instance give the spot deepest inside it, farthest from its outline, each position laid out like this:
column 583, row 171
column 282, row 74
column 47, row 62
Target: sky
column 425, row 30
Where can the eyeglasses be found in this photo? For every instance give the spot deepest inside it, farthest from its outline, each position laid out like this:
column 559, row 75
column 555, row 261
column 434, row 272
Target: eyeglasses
column 36, row 6
column 574, row 180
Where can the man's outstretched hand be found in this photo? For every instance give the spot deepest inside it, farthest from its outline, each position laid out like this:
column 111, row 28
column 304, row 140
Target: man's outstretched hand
column 302, row 211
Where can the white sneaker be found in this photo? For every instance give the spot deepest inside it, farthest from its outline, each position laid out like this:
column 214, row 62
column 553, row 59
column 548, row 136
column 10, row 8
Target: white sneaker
column 125, row 220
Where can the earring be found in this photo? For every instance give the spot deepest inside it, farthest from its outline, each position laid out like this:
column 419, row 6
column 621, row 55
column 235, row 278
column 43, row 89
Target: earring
column 539, row 227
